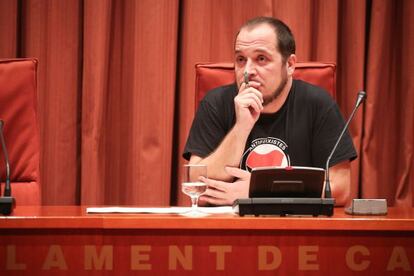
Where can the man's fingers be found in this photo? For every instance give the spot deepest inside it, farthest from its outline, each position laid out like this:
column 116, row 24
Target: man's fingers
column 248, row 100
column 252, row 92
column 254, row 84
column 251, row 98
column 215, row 201
column 250, row 104
column 218, row 185
column 214, row 193
column 236, row 172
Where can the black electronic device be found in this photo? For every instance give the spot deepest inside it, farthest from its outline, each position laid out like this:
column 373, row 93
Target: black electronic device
column 285, row 191
column 290, row 182
column 284, row 206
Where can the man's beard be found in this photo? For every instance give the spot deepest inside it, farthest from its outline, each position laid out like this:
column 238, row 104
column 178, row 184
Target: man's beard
column 270, row 98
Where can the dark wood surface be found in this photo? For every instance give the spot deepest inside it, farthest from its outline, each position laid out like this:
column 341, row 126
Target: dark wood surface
column 71, row 217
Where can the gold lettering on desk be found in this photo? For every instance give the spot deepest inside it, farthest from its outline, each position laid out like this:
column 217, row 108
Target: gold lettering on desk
column 380, row 257
column 97, row 262
column 308, row 258
column 11, row 262
column 220, row 251
column 175, row 256
column 55, row 258
column 274, row 260
column 398, row 259
column 350, row 258
column 138, row 257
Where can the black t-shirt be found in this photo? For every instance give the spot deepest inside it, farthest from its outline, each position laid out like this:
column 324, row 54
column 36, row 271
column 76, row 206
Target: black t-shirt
column 302, row 133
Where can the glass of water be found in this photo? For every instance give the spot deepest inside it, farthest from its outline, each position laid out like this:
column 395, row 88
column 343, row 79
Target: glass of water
column 192, row 185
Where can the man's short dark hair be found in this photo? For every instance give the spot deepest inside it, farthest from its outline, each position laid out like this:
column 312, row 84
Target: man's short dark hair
column 285, row 40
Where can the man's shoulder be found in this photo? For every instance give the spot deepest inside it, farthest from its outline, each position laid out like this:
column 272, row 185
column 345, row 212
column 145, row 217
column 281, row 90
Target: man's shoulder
column 311, row 93
column 221, row 93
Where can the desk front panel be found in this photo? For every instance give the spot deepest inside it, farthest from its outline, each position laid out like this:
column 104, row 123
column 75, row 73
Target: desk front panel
column 214, row 250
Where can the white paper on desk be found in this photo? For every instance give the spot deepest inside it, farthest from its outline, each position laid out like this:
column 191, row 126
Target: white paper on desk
column 160, row 210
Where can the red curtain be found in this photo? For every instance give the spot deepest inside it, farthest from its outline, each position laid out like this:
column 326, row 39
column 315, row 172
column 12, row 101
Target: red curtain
column 116, row 87
column 388, row 142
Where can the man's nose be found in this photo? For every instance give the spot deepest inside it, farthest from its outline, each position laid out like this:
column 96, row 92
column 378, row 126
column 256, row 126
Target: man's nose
column 250, row 68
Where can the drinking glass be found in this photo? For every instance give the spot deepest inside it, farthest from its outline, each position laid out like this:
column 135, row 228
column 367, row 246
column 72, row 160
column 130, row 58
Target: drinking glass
column 192, row 185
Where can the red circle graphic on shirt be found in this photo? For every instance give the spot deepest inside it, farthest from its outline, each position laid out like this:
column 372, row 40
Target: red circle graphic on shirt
column 265, row 152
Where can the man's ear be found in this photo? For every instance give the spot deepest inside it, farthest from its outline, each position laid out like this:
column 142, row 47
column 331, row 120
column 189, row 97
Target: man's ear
column 291, row 64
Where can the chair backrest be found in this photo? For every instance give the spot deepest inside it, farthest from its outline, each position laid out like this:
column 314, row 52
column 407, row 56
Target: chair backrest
column 18, row 110
column 212, row 75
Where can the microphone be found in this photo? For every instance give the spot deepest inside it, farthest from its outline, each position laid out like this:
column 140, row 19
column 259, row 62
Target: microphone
column 6, row 201
column 361, row 97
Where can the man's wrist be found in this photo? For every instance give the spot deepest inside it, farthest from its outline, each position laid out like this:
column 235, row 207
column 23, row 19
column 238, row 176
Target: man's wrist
column 241, row 131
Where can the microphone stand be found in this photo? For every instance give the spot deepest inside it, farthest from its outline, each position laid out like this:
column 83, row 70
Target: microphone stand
column 7, row 202
column 361, row 96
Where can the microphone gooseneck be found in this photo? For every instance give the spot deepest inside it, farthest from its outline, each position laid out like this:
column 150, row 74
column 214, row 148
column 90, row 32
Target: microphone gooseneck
column 7, row 186
column 361, row 97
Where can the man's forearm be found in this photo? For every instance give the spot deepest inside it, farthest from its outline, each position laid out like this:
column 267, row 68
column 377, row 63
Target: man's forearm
column 341, row 182
column 228, row 153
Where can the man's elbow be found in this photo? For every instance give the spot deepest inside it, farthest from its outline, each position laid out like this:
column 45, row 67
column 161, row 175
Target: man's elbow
column 341, row 194
column 341, row 183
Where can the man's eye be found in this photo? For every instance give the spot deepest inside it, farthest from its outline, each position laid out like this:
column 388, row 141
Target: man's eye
column 261, row 59
column 240, row 59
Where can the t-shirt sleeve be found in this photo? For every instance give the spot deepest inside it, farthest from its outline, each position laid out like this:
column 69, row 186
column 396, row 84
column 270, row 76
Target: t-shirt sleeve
column 327, row 131
column 207, row 130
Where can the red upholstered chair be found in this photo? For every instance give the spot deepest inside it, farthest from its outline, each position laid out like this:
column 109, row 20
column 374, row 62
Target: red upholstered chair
column 18, row 104
column 212, row 75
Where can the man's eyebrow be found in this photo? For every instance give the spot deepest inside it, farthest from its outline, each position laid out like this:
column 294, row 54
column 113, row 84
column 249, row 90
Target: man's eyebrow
column 257, row 50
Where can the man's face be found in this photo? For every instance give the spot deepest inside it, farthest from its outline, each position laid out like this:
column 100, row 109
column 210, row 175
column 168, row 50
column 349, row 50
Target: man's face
column 256, row 53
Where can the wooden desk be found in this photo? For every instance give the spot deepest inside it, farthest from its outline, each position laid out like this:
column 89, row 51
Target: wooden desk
column 62, row 240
